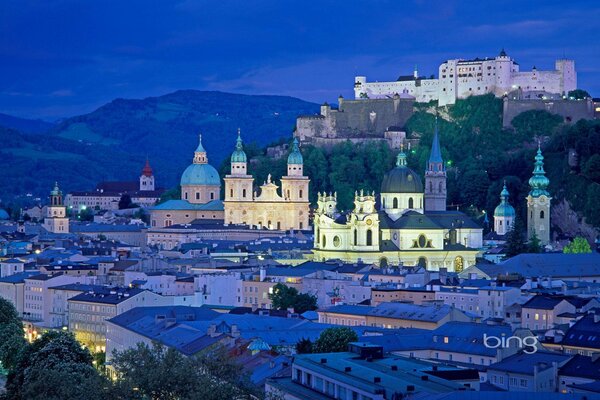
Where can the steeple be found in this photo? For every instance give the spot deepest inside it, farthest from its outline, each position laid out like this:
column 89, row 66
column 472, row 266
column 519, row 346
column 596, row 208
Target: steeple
column 435, row 157
column 295, row 156
column 200, row 154
column 538, row 182
column 504, row 214
column 147, row 170
column 435, row 176
column 238, row 155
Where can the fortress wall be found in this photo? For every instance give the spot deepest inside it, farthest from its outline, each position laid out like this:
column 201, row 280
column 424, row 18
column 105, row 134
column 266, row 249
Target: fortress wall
column 571, row 110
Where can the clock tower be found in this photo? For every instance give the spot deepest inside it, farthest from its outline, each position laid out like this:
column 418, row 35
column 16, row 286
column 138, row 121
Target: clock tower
column 538, row 202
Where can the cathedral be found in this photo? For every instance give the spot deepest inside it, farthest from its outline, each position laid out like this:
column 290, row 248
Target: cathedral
column 409, row 226
column 269, row 209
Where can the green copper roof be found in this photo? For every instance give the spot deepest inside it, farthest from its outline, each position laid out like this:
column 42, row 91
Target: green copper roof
column 538, row 182
column 295, row 156
column 504, row 209
column 238, row 155
column 401, row 179
column 401, row 159
column 200, row 174
column 56, row 191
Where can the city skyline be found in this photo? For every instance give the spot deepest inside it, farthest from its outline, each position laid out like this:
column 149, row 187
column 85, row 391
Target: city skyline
column 133, row 50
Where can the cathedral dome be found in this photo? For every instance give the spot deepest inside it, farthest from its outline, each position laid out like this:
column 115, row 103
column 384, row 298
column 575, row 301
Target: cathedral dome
column 200, row 174
column 401, row 179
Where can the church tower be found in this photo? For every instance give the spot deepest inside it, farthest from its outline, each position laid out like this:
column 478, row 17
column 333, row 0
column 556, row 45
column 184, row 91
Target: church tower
column 56, row 220
column 538, row 202
column 504, row 214
column 294, row 186
column 238, row 186
column 435, row 177
column 147, row 178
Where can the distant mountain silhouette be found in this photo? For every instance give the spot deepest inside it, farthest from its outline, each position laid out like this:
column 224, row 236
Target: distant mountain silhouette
column 113, row 141
column 25, row 125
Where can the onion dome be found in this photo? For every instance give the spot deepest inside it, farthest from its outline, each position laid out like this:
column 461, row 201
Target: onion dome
column 56, row 191
column 538, row 182
column 401, row 179
column 504, row 209
column 238, row 155
column 295, row 156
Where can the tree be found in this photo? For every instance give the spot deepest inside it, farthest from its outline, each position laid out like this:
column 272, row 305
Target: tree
column 334, row 340
column 162, row 373
column 515, row 239
column 304, row 346
column 591, row 168
column 579, row 245
column 534, row 245
column 171, row 194
column 55, row 366
column 578, row 94
column 125, row 201
column 12, row 341
column 474, row 185
column 532, row 123
column 284, row 297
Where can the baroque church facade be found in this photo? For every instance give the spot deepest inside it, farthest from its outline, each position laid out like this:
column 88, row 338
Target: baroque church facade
column 410, row 226
column 271, row 208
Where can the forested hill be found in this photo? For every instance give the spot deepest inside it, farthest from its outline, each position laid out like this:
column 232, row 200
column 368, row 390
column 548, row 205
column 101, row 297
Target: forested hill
column 113, row 141
column 479, row 154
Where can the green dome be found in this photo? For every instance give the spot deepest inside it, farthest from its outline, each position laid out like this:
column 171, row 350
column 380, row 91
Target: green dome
column 538, row 182
column 295, row 156
column 200, row 174
column 56, row 191
column 504, row 209
column 401, row 179
column 238, row 156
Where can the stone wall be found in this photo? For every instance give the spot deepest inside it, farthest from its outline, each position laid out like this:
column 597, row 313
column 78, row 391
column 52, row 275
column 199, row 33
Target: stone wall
column 571, row 110
column 355, row 119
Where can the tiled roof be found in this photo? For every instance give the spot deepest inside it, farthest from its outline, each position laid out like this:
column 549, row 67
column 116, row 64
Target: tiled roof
column 522, row 363
column 585, row 333
column 582, row 367
column 214, row 205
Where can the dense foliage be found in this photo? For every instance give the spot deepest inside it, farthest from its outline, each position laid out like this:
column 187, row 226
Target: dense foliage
column 284, row 297
column 334, row 340
column 578, row 246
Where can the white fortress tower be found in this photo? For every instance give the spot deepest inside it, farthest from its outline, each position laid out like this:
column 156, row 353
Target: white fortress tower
column 458, row 79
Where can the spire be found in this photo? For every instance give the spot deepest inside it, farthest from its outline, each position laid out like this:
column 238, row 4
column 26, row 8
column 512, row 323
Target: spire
column 538, row 182
column 504, row 209
column 200, row 154
column 401, row 158
column 56, row 191
column 416, row 72
column 147, row 170
column 238, row 156
column 295, row 156
column 436, row 154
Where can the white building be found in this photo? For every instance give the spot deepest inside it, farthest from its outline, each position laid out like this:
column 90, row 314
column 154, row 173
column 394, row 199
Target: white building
column 460, row 78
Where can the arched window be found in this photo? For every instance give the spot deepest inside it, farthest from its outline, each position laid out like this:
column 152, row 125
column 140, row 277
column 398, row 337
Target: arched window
column 542, row 214
column 441, row 187
column 395, row 203
column 422, row 262
column 323, row 242
column 212, row 196
column 185, row 195
column 244, row 193
column 197, row 195
column 300, row 193
column 355, row 237
column 431, row 186
column 411, row 203
column 383, row 202
column 230, row 192
column 369, row 237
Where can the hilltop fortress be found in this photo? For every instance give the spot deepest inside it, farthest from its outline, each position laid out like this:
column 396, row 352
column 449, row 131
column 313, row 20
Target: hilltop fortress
column 459, row 79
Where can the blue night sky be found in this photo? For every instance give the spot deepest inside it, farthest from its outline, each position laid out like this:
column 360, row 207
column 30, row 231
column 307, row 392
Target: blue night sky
column 63, row 58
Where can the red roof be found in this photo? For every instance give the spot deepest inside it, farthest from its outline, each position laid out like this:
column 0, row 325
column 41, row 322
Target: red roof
column 147, row 171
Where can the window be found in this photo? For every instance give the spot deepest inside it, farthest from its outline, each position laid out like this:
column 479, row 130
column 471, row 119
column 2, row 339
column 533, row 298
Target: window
column 244, row 193
column 230, row 192
column 300, row 193
column 395, row 203
column 355, row 237
column 369, row 237
column 410, row 203
column 197, row 195
column 542, row 214
column 212, row 196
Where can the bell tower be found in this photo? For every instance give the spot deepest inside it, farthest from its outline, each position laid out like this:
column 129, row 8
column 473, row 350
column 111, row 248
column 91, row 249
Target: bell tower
column 435, row 177
column 538, row 202
column 147, row 178
column 56, row 220
column 238, row 186
column 294, row 188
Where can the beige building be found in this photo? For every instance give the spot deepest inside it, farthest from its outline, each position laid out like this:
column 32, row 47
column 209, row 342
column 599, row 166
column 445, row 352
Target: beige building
column 271, row 209
column 200, row 195
column 410, row 227
column 56, row 220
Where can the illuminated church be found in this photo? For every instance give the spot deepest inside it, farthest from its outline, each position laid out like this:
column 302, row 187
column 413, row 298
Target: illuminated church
column 409, row 225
